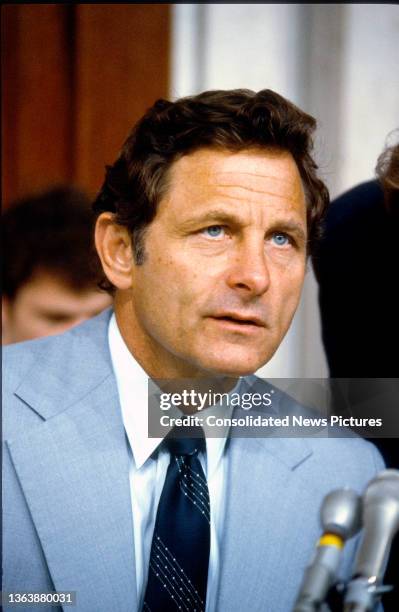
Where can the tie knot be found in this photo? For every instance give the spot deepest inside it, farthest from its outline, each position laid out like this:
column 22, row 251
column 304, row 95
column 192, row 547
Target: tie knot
column 185, row 440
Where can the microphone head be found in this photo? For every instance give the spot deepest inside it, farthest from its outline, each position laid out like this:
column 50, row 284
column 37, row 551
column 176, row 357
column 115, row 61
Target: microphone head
column 380, row 518
column 340, row 513
column 383, row 491
column 385, row 484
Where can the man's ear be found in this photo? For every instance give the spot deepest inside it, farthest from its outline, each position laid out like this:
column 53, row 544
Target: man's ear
column 114, row 248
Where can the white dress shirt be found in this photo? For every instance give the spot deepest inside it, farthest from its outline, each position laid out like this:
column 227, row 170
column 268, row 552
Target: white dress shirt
column 147, row 474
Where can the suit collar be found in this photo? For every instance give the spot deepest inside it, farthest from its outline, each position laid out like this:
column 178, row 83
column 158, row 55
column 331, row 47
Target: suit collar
column 80, row 355
column 291, row 450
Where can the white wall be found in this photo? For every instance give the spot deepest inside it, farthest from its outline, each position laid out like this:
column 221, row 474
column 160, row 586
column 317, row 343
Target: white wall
column 225, row 46
column 338, row 62
column 370, row 88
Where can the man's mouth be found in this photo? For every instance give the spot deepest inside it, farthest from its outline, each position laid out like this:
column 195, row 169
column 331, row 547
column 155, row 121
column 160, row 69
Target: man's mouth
column 240, row 319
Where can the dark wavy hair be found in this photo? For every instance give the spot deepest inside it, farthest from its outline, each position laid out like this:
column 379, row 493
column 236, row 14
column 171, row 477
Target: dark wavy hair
column 231, row 120
column 387, row 171
column 51, row 231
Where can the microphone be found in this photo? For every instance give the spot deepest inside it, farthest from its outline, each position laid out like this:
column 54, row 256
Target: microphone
column 381, row 522
column 340, row 520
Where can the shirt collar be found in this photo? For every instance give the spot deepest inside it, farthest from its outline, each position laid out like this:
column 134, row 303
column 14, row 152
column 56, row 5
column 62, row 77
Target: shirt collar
column 132, row 383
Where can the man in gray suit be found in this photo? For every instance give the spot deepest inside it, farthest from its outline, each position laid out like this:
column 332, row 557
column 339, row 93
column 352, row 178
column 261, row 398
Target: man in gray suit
column 204, row 224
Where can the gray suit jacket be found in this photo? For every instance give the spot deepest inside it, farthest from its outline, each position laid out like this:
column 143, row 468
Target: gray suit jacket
column 67, row 512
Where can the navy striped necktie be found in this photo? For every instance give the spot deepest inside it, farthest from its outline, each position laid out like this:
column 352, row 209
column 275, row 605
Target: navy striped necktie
column 178, row 570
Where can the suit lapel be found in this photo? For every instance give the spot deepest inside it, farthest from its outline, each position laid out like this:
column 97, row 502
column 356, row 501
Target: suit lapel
column 251, row 550
column 73, row 469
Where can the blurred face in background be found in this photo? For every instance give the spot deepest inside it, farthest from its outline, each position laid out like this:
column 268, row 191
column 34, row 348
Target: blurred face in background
column 48, row 305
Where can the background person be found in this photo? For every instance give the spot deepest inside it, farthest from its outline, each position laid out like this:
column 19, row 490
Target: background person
column 49, row 267
column 356, row 270
column 357, row 267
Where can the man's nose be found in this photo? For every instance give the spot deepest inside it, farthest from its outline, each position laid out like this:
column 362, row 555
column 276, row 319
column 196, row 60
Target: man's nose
column 249, row 272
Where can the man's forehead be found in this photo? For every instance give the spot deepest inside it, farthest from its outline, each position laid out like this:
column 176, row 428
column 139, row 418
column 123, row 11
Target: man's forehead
column 251, row 173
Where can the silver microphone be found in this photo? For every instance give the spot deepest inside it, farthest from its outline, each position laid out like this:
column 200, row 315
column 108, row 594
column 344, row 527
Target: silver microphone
column 381, row 522
column 340, row 519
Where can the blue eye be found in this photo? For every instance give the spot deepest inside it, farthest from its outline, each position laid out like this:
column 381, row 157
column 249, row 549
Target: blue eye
column 281, row 239
column 214, row 231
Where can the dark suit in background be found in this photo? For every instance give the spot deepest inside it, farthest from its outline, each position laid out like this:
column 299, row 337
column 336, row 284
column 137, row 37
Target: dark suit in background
column 357, row 270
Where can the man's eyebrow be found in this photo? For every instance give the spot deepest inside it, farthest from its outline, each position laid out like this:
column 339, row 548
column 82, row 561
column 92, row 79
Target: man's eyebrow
column 213, row 215
column 221, row 216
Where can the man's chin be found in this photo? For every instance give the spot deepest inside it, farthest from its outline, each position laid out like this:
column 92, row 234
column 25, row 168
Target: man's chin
column 234, row 367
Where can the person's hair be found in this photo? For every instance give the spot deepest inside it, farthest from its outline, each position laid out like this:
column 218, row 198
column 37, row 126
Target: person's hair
column 223, row 120
column 387, row 171
column 52, row 232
